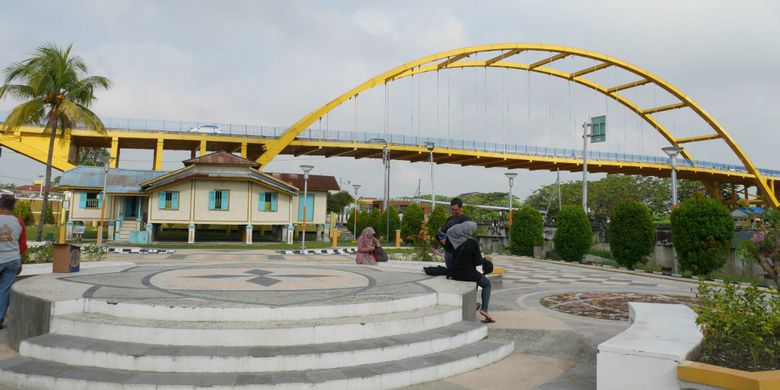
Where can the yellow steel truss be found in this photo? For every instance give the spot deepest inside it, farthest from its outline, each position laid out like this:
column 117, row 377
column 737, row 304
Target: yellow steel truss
column 456, row 59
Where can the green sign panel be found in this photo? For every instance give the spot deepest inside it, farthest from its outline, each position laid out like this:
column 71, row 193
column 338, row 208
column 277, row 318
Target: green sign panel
column 598, row 125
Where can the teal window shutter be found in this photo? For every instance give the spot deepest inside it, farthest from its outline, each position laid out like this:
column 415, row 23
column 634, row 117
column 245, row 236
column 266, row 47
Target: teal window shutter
column 82, row 200
column 261, row 201
column 309, row 207
column 225, row 200
column 212, row 199
column 161, row 203
column 273, row 201
column 175, row 200
column 100, row 200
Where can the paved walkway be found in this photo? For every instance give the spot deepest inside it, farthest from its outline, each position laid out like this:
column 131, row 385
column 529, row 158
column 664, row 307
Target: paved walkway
column 553, row 350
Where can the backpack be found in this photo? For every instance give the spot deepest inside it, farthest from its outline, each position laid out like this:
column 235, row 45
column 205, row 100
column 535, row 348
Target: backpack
column 380, row 254
column 436, row 271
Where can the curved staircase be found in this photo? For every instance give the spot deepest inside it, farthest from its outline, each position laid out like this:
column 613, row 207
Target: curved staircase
column 376, row 345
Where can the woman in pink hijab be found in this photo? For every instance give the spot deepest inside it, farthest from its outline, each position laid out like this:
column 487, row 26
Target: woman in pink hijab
column 366, row 244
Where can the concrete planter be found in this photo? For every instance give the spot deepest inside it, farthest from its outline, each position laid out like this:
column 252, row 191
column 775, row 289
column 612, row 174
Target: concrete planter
column 695, row 375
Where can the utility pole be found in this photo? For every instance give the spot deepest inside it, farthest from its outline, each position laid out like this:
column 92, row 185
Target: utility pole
column 585, row 136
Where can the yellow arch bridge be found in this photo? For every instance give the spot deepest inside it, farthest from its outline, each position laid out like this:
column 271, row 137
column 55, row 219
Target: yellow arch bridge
column 265, row 143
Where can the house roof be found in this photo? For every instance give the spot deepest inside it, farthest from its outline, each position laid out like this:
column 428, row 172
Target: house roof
column 221, row 158
column 120, row 181
column 316, row 182
column 186, row 173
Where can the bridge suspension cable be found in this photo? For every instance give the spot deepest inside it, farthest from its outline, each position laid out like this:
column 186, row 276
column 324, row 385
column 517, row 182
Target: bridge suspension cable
column 503, row 54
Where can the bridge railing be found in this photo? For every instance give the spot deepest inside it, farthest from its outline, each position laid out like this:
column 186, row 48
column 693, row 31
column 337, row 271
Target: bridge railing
column 260, row 131
column 543, row 151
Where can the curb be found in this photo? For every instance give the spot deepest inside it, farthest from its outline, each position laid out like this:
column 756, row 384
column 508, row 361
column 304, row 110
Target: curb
column 337, row 251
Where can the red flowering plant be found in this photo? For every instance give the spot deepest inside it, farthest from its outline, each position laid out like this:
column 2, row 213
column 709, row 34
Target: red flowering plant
column 764, row 245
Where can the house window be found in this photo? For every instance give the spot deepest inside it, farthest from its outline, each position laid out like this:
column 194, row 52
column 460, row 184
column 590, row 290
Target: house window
column 219, row 200
column 169, row 200
column 267, row 202
column 90, row 200
column 309, row 207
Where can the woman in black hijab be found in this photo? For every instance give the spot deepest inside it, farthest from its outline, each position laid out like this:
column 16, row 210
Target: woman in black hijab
column 467, row 258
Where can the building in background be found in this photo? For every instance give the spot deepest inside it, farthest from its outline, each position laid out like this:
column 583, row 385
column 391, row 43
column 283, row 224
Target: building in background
column 215, row 197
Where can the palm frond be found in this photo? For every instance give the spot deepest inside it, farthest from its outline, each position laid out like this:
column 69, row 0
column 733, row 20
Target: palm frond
column 16, row 91
column 91, row 120
column 82, row 91
column 28, row 113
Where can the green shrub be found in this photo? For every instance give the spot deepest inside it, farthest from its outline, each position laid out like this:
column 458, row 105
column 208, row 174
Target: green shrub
column 49, row 216
column 740, row 328
column 573, row 235
column 436, row 220
column 375, row 221
column 395, row 223
column 362, row 222
column 94, row 252
column 411, row 223
column 39, row 254
column 702, row 230
column 527, row 231
column 631, row 233
column 422, row 244
column 22, row 210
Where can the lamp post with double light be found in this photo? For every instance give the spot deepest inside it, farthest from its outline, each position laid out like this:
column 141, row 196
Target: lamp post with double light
column 306, row 169
column 430, row 146
column 103, row 198
column 511, row 176
column 354, row 220
column 672, row 152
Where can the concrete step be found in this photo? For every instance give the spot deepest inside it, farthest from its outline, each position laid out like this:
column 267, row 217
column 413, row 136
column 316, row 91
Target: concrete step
column 345, row 308
column 197, row 359
column 261, row 333
column 27, row 373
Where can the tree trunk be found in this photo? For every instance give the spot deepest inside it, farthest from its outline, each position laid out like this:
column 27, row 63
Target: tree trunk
column 47, row 183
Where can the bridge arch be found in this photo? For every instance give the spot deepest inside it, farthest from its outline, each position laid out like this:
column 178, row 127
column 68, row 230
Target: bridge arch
column 457, row 58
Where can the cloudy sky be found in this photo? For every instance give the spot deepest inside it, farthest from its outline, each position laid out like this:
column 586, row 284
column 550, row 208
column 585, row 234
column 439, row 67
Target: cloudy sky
column 272, row 62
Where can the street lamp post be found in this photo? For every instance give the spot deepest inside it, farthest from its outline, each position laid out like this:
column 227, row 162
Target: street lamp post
column 103, row 199
column 306, row 169
column 430, row 147
column 672, row 152
column 511, row 176
column 386, row 159
column 585, row 136
column 40, row 186
column 354, row 220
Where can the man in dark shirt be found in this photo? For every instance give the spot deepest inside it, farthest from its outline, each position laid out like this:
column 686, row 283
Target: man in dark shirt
column 456, row 209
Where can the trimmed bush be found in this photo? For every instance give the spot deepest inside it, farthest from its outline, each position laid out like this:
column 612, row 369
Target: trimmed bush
column 702, row 230
column 22, row 210
column 411, row 223
column 527, row 231
column 375, row 221
column 631, row 233
column 395, row 223
column 436, row 220
column 573, row 235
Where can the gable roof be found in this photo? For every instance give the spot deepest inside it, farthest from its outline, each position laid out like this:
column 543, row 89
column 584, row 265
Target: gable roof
column 185, row 174
column 316, row 182
column 221, row 158
column 120, row 181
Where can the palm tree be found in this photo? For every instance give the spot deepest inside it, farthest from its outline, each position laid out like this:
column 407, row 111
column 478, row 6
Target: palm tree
column 54, row 94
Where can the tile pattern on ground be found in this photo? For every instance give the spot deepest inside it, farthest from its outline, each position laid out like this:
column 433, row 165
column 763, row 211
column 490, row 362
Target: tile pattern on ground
column 539, row 273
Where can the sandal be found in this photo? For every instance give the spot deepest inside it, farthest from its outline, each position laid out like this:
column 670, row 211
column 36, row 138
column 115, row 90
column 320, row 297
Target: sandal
column 488, row 321
column 478, row 306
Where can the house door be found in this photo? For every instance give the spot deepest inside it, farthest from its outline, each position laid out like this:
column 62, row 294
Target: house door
column 131, row 207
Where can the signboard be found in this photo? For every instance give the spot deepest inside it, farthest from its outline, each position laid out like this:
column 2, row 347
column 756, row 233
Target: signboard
column 598, row 125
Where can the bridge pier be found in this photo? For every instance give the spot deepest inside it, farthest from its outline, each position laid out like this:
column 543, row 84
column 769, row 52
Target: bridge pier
column 158, row 155
column 115, row 152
